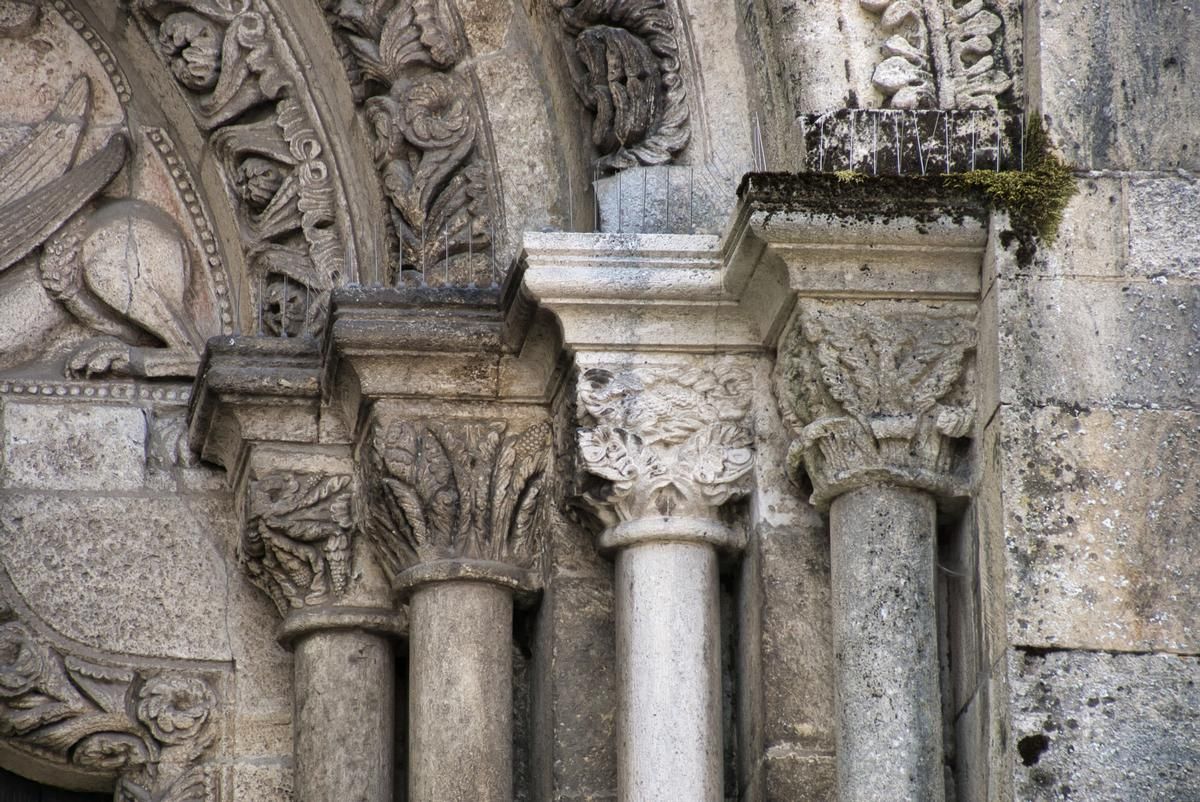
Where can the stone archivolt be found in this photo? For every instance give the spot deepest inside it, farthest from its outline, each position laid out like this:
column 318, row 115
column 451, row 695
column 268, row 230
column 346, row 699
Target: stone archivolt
column 422, row 105
column 670, row 442
column 878, row 391
column 466, row 490
column 625, row 66
column 230, row 60
column 296, row 541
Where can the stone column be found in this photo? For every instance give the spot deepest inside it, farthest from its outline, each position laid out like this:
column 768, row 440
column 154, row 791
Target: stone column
column 297, row 547
column 667, row 352
column 879, row 393
column 257, row 412
column 454, row 510
column 673, row 444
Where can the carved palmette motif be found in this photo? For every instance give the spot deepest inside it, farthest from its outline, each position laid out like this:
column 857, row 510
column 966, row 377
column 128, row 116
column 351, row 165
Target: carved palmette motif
column 625, row 63
column 945, row 54
column 230, row 60
column 878, row 390
column 454, row 490
column 149, row 728
column 426, row 117
column 666, row 441
column 296, row 540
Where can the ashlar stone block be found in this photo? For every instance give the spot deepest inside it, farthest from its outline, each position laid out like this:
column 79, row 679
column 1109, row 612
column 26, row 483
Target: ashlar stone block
column 76, row 447
column 1105, row 727
column 1109, row 73
column 1100, row 527
column 1164, row 227
column 138, row 575
column 1093, row 342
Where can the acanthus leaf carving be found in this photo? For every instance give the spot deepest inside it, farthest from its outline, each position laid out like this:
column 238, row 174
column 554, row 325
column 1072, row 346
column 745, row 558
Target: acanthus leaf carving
column 423, row 108
column 625, row 63
column 454, row 490
column 944, row 54
column 296, row 540
column 106, row 719
column 667, row 441
column 878, row 390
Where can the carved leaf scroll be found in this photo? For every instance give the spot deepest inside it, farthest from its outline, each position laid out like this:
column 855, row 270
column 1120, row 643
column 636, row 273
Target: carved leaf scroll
column 404, row 59
column 945, row 54
column 454, row 490
column 666, row 441
column 878, row 390
column 234, row 66
column 625, row 64
column 296, row 541
column 106, row 719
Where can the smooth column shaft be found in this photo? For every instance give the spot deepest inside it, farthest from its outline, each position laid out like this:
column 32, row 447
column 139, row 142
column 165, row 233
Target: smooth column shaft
column 889, row 733
column 460, row 693
column 345, row 686
column 669, row 673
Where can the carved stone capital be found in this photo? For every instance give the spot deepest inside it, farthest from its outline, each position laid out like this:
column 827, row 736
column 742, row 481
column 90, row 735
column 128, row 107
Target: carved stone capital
column 668, row 442
column 878, row 392
column 455, row 499
column 296, row 538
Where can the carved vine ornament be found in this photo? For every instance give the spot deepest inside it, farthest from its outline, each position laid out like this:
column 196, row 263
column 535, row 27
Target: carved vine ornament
column 946, row 54
column 667, row 442
column 878, row 391
column 229, row 59
column 405, row 61
column 296, row 539
column 148, row 728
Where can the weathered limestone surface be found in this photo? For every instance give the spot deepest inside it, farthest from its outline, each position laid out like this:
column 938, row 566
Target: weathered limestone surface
column 1107, row 76
column 1103, row 726
column 171, row 170
column 1100, row 528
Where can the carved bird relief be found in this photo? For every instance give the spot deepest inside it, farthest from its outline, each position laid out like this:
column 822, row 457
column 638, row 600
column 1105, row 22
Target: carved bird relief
column 120, row 268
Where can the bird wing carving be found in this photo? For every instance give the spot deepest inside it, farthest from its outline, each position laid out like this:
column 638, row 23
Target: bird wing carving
column 27, row 221
column 50, row 150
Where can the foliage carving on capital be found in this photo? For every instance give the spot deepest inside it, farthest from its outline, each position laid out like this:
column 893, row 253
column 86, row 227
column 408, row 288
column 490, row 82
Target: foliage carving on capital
column 454, row 490
column 878, row 391
column 108, row 720
column 666, row 441
column 942, row 53
column 297, row 538
column 626, row 65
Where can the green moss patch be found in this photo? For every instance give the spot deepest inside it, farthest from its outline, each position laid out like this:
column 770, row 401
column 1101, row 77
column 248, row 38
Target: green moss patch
column 1035, row 197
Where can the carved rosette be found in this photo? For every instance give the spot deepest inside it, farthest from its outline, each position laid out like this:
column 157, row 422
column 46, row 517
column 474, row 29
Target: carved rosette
column 297, row 537
column 148, row 727
column 423, row 107
column 437, row 492
column 878, row 391
column 942, row 53
column 667, row 442
column 234, row 66
column 625, row 64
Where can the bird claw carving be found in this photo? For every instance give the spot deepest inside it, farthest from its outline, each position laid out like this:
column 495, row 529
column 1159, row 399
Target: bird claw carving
column 100, row 356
